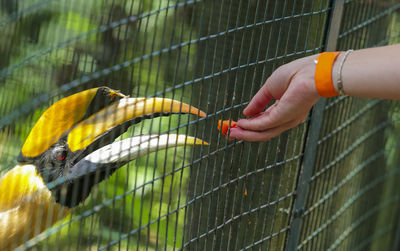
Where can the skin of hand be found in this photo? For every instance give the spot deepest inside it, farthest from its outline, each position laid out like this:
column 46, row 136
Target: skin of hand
column 292, row 87
column 368, row 73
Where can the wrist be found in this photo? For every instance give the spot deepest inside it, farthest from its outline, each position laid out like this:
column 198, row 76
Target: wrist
column 335, row 70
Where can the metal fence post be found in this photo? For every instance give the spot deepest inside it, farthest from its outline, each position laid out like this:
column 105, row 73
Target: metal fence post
column 397, row 236
column 306, row 170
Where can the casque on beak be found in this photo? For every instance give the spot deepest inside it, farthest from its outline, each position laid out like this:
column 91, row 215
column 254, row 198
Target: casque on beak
column 72, row 143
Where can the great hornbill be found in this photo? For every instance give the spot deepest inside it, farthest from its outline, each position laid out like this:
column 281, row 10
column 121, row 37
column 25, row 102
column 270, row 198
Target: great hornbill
column 70, row 149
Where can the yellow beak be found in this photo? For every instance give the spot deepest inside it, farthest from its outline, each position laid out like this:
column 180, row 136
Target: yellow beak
column 88, row 116
column 126, row 110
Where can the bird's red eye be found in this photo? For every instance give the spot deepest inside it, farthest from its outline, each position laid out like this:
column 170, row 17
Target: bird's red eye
column 59, row 154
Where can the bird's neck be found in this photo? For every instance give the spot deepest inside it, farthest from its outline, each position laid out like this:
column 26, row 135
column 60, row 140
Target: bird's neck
column 27, row 207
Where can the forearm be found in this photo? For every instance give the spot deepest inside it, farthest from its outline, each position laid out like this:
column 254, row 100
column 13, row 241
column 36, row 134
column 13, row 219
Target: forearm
column 373, row 72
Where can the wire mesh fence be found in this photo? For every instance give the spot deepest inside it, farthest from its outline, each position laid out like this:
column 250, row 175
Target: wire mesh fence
column 327, row 184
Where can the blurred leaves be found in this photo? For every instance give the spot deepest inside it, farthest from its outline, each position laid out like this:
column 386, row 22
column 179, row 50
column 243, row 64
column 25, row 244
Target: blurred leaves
column 121, row 44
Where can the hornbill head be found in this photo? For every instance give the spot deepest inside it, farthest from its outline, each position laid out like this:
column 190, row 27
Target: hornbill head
column 72, row 148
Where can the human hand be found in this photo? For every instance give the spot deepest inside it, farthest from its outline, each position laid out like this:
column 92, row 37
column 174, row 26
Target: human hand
column 293, row 87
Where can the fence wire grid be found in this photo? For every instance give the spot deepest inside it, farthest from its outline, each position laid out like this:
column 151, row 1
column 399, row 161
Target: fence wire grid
column 327, row 184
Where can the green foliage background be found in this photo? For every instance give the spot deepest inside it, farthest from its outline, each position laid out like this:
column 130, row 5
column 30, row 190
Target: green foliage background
column 47, row 45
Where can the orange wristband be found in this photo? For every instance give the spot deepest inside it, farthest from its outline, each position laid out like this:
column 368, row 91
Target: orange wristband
column 323, row 74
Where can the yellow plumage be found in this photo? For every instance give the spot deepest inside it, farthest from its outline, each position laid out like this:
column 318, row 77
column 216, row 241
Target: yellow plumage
column 26, row 206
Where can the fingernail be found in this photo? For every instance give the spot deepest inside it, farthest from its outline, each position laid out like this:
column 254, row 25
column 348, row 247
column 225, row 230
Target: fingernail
column 232, row 133
column 240, row 121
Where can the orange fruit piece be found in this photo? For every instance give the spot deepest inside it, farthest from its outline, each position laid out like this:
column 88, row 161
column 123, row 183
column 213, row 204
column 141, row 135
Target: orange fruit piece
column 223, row 126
